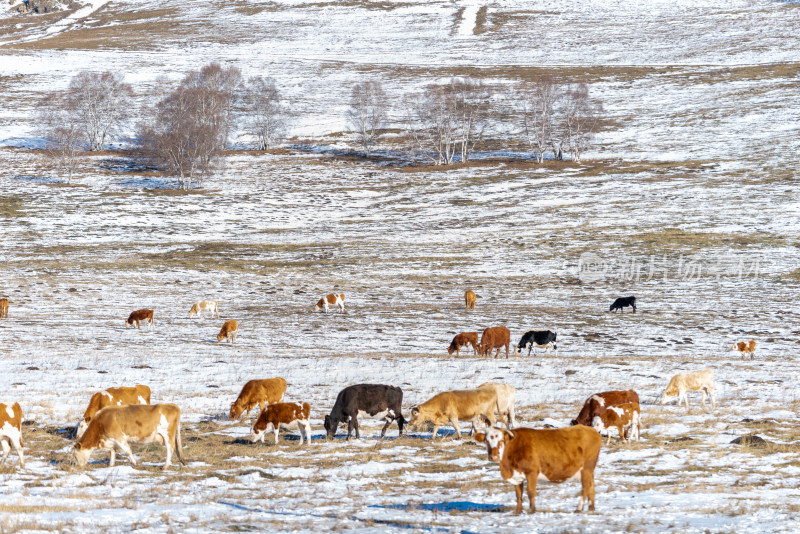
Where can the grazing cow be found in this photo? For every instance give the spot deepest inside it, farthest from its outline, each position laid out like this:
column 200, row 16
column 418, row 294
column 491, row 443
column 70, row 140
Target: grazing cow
column 679, row 384
column 228, row 331
column 123, row 396
column 537, row 338
column 623, row 302
column 462, row 340
column 204, row 305
column 330, row 300
column 745, row 347
column 597, row 404
column 3, row 308
column 554, row 455
column 11, row 431
column 117, row 426
column 260, row 392
column 469, row 299
column 145, row 316
column 362, row 400
column 505, row 401
column 454, row 406
column 623, row 416
column 283, row 414
column 494, row 338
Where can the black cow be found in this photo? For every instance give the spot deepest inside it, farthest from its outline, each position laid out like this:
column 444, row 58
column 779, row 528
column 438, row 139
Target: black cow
column 374, row 400
column 540, row 339
column 623, row 302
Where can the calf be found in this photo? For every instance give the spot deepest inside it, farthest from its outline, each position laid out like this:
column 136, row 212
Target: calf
column 122, row 396
column 554, row 455
column 469, row 299
column 139, row 315
column 462, row 340
column 679, row 384
column 11, row 431
column 454, row 406
column 330, row 300
column 494, row 338
column 745, row 347
column 505, row 401
column 623, row 416
column 3, row 308
column 260, row 392
column 117, row 426
column 361, row 400
column 204, row 305
column 623, row 302
column 537, row 338
column 597, row 404
column 228, row 331
column 283, row 414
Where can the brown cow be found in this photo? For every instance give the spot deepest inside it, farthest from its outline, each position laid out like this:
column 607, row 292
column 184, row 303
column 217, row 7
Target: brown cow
column 745, row 348
column 283, row 414
column 454, row 406
column 462, row 340
column 555, row 455
column 258, row 392
column 139, row 315
column 494, row 337
column 11, row 431
column 3, row 308
column 122, row 396
column 330, row 300
column 623, row 416
column 229, row 330
column 469, row 299
column 116, row 426
column 598, row 403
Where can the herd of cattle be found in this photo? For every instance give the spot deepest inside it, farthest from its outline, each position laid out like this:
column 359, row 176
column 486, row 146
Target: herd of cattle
column 117, row 417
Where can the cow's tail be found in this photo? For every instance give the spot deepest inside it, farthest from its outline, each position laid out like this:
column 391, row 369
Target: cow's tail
column 178, row 445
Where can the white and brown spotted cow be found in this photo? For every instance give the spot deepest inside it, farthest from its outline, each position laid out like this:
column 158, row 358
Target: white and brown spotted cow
column 122, row 396
column 283, row 414
column 330, row 300
column 11, row 431
column 624, row 417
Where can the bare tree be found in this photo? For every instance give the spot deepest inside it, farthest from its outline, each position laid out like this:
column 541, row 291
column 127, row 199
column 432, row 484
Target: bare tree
column 268, row 118
column 538, row 120
column 63, row 133
column 101, row 102
column 580, row 117
column 223, row 87
column 472, row 107
column 367, row 114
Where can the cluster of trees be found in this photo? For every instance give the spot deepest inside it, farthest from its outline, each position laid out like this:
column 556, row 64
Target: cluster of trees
column 188, row 126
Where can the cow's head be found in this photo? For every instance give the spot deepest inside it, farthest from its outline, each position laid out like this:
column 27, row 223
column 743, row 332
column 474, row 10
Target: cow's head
column 495, row 439
column 573, row 422
column 415, row 418
column 236, row 410
column 80, row 454
column 330, row 425
column 220, row 337
column 451, row 349
column 259, row 432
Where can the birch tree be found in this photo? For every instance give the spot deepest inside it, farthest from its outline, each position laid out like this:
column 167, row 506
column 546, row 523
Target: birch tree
column 538, row 114
column 367, row 114
column 581, row 117
column 63, row 133
column 267, row 115
column 101, row 102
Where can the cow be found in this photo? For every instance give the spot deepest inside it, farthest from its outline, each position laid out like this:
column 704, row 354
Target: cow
column 745, row 348
column 3, row 308
column 554, row 455
column 204, row 305
column 261, row 392
column 122, row 396
column 469, row 299
column 145, row 316
column 537, row 338
column 283, row 414
column 494, row 337
column 11, row 431
column 118, row 426
column 623, row 302
column 505, row 401
column 229, row 330
column 679, row 384
column 623, row 416
column 598, row 403
column 330, row 300
column 362, row 400
column 462, row 340
column 454, row 406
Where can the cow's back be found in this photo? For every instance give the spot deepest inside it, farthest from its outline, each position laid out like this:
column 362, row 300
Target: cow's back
column 135, row 420
column 597, row 404
column 559, row 452
column 367, row 396
column 466, row 403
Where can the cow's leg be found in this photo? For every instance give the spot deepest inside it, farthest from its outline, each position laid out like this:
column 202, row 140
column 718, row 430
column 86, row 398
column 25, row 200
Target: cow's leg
column 454, row 422
column 435, row 431
column 113, row 457
column 713, row 399
column 587, row 489
column 512, row 418
column 506, row 351
column 168, row 446
column 127, row 450
column 6, row 449
column 518, row 491
column 532, row 478
column 388, row 422
column 275, row 432
column 703, row 393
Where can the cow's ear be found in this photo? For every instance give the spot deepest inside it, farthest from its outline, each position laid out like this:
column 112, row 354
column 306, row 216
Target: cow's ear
column 480, row 437
column 77, row 446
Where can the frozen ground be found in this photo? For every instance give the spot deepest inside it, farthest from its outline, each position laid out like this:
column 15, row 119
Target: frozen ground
column 696, row 191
